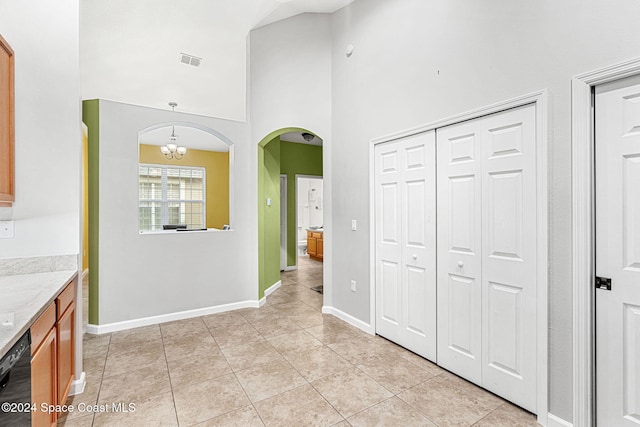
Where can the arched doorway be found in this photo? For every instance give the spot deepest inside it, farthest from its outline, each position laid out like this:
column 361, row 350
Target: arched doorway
column 286, row 153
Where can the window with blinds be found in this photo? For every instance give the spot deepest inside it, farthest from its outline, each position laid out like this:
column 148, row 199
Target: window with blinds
column 171, row 195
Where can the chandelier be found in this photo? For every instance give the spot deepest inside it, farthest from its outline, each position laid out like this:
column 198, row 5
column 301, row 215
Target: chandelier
column 172, row 150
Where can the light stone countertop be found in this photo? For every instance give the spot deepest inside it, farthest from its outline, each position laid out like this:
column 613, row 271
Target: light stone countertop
column 27, row 296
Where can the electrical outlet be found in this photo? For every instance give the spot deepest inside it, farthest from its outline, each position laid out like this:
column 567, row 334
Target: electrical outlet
column 7, row 319
column 354, row 225
column 353, row 286
column 7, row 229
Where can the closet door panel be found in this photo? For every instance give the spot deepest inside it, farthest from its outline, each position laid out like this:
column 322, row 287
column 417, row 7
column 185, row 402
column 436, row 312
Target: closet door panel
column 415, row 248
column 509, row 225
column 404, row 177
column 388, row 246
column 419, row 251
column 459, row 246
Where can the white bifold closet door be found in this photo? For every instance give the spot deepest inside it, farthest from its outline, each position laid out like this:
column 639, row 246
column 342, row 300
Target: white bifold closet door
column 487, row 227
column 405, row 258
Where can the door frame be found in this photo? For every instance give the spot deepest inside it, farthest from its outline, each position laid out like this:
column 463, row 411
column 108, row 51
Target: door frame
column 295, row 198
column 283, row 221
column 540, row 99
column 583, row 176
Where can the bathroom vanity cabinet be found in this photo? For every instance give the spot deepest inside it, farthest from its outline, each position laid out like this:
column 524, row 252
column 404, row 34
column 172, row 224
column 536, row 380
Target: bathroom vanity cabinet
column 315, row 244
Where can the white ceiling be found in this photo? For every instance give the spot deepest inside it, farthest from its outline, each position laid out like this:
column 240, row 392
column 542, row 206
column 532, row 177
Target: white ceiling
column 129, row 50
column 297, row 137
column 287, row 8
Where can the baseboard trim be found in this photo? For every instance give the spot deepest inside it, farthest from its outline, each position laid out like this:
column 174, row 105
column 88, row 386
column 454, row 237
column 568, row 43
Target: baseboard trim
column 291, row 268
column 553, row 421
column 77, row 386
column 271, row 289
column 366, row 327
column 170, row 317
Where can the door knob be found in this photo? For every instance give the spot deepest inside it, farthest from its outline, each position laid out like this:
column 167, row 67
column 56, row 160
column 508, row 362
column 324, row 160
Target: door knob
column 414, row 256
column 460, row 264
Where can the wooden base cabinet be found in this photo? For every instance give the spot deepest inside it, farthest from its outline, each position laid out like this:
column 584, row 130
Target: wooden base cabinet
column 52, row 355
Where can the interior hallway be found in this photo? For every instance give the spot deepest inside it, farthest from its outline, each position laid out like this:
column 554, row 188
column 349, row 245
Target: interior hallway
column 284, row 364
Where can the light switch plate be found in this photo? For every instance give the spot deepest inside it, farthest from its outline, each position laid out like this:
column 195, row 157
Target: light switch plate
column 7, row 229
column 354, row 225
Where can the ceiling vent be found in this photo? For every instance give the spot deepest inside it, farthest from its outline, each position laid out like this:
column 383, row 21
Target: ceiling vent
column 185, row 58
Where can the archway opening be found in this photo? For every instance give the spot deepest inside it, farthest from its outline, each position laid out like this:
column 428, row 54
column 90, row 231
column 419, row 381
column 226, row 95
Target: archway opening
column 283, row 155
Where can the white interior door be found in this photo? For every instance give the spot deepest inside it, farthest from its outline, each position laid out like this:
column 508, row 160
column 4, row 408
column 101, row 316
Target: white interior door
column 405, row 242
column 487, row 245
column 617, row 198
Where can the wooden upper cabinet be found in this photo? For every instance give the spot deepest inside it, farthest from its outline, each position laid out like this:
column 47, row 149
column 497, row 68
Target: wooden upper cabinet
column 7, row 133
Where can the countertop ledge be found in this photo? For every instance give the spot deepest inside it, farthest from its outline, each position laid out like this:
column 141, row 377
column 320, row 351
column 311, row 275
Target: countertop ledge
column 27, row 296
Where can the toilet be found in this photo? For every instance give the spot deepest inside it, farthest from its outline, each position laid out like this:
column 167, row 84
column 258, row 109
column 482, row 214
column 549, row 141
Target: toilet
column 302, row 247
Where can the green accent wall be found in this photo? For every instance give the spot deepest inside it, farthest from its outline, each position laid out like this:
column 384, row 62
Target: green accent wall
column 297, row 159
column 91, row 118
column 269, row 224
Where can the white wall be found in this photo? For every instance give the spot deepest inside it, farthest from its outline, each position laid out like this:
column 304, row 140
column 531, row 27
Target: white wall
column 290, row 84
column 44, row 36
column 153, row 275
column 130, row 53
column 415, row 62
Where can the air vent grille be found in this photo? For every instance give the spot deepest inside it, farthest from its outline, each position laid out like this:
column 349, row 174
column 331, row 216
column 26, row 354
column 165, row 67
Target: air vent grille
column 187, row 59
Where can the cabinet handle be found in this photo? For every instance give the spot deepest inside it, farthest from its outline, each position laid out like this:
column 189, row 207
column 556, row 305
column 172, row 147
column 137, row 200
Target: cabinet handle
column 460, row 264
column 414, row 256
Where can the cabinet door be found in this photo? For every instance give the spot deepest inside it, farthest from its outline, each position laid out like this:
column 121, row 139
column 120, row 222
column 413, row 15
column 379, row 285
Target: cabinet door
column 312, row 246
column 320, row 248
column 43, row 380
column 66, row 334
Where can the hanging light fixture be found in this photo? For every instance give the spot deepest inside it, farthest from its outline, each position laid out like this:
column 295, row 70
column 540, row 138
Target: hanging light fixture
column 172, row 150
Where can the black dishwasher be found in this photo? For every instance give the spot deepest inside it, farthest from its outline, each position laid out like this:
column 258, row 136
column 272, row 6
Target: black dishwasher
column 15, row 384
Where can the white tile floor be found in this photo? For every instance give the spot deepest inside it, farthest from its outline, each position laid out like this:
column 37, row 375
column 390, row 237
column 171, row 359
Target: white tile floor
column 285, row 364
